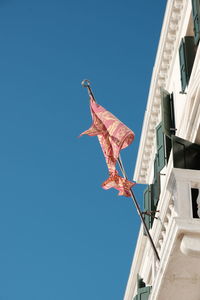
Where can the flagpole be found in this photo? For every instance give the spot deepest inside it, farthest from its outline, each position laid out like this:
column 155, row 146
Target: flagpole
column 86, row 83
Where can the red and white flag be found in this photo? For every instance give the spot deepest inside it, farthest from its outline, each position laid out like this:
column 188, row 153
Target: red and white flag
column 113, row 136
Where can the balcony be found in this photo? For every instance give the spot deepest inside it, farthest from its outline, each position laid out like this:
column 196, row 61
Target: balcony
column 176, row 234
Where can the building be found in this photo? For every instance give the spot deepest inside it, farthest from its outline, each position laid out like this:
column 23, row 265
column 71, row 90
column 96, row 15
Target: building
column 168, row 163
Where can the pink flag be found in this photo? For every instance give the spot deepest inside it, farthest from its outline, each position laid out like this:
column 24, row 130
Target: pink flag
column 113, row 136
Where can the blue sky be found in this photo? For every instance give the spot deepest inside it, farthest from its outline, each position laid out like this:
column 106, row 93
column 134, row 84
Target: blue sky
column 61, row 236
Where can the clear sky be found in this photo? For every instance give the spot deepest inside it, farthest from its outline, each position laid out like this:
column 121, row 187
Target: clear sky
column 61, row 236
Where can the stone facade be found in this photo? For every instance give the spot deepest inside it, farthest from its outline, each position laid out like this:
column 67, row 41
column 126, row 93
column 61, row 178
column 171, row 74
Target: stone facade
column 176, row 228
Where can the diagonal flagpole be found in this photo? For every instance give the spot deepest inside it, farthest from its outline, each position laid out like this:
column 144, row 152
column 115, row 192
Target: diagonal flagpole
column 86, row 83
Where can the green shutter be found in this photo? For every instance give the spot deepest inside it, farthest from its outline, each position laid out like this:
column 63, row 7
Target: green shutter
column 182, row 65
column 148, row 206
column 167, row 108
column 163, row 147
column 160, row 148
column 186, row 155
column 187, row 51
column 143, row 293
column 156, row 183
column 196, row 19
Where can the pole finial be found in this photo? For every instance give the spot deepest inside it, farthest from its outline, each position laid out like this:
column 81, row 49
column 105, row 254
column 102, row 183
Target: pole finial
column 85, row 83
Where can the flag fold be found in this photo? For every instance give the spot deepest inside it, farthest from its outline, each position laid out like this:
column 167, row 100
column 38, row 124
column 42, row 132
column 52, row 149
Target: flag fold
column 113, row 136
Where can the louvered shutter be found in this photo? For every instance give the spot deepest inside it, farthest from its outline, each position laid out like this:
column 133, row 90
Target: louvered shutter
column 160, row 148
column 182, row 65
column 187, row 51
column 143, row 293
column 156, row 183
column 148, row 206
column 196, row 19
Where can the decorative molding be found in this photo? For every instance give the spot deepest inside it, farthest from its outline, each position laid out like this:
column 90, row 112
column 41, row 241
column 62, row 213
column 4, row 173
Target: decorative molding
column 164, row 61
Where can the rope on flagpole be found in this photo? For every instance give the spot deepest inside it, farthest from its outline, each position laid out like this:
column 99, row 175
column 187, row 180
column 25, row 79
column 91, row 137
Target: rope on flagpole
column 86, row 83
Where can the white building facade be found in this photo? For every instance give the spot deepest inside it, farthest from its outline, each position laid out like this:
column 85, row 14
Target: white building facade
column 169, row 163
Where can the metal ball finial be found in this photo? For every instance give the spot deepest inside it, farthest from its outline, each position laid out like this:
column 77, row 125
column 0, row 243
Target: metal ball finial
column 85, row 83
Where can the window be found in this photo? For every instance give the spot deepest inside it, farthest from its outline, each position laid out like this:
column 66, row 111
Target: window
column 195, row 203
column 167, row 109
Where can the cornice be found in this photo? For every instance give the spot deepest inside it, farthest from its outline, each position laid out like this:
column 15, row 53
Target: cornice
column 174, row 15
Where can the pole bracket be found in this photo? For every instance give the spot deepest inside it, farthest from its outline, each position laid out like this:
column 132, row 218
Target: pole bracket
column 150, row 213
